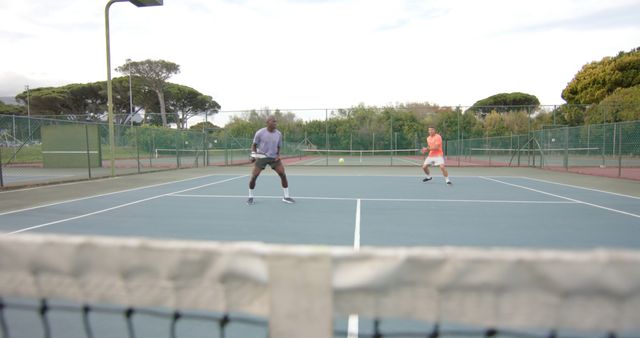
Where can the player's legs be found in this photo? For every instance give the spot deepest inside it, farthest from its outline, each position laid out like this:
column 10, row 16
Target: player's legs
column 254, row 176
column 257, row 169
column 425, row 168
column 445, row 173
column 278, row 167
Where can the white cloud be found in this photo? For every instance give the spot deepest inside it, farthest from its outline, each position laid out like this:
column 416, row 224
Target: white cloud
column 321, row 53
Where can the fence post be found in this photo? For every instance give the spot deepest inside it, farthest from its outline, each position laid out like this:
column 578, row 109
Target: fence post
column 373, row 144
column 511, row 152
column 588, row 140
column 226, row 148
column 458, row 115
column 1, row 174
column 566, row 148
column 177, row 144
column 137, row 141
column 604, row 132
column 613, row 143
column 394, row 146
column 519, row 152
column 326, row 136
column 620, row 151
column 86, row 137
column 395, row 143
column 487, row 146
column 152, row 147
column 544, row 144
column 205, row 149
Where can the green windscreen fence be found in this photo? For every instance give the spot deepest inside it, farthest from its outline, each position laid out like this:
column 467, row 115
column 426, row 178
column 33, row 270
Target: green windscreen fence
column 71, row 146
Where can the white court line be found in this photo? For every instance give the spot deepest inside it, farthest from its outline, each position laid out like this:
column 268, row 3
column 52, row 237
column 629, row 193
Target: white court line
column 120, row 206
column 56, row 184
column 563, row 197
column 418, row 174
column 30, row 176
column 352, row 323
column 381, row 199
column 583, row 188
column 101, row 195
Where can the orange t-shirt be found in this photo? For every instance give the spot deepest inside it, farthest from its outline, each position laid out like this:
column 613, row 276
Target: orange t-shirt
column 435, row 145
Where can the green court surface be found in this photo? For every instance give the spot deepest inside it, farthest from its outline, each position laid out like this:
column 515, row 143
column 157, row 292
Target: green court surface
column 344, row 206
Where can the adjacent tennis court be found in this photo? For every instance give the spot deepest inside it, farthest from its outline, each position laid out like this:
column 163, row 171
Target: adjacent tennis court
column 522, row 208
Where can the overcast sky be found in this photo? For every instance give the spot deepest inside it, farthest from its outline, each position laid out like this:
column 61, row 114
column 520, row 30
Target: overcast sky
column 290, row 54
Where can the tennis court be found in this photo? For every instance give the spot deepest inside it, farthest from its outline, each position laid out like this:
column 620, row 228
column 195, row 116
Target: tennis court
column 337, row 206
column 395, row 210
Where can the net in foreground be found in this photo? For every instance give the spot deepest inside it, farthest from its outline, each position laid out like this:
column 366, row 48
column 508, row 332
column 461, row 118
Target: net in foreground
column 300, row 290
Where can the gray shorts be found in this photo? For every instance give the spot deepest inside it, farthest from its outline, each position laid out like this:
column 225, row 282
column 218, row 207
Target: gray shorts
column 263, row 162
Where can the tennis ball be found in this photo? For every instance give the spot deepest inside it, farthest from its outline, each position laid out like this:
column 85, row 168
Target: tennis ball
column 341, row 160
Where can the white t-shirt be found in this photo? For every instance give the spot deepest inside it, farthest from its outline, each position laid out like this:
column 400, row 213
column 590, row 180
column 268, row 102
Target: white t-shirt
column 268, row 142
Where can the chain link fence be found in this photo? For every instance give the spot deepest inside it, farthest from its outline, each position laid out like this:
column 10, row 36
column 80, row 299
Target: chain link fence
column 606, row 149
column 137, row 149
column 611, row 149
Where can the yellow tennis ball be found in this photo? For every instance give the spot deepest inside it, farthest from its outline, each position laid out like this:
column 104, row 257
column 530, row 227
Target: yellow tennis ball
column 341, row 160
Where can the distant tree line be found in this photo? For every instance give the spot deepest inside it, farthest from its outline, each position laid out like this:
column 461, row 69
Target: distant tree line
column 601, row 92
column 604, row 91
column 400, row 126
column 160, row 102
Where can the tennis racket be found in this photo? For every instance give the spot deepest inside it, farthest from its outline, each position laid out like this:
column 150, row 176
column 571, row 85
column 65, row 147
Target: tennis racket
column 256, row 155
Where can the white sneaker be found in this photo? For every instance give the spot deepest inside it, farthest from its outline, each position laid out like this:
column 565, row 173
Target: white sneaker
column 288, row 200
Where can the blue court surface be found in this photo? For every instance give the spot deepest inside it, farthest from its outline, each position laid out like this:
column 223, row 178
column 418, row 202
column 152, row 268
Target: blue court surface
column 382, row 210
column 392, row 208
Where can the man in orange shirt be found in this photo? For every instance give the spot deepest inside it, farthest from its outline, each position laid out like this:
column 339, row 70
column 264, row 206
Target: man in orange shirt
column 435, row 157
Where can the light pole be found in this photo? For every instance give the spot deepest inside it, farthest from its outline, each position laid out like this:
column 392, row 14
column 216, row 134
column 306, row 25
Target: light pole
column 28, row 111
column 139, row 3
column 130, row 94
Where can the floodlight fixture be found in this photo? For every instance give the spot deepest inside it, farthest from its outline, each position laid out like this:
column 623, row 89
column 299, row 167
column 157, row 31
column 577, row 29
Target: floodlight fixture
column 146, row 3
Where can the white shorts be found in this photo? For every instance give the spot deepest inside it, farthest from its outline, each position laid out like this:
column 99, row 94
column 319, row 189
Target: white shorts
column 434, row 161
